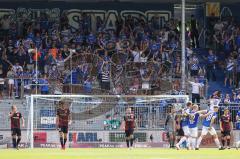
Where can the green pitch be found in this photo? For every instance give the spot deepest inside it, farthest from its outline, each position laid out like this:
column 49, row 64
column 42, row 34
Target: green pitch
column 105, row 153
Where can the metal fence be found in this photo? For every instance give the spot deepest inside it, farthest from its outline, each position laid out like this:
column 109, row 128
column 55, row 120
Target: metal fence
column 93, row 112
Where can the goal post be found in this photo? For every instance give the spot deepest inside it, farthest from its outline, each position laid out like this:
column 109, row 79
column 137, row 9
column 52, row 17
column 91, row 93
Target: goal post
column 90, row 111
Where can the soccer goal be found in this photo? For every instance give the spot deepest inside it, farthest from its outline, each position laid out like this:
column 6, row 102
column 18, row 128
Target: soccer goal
column 91, row 113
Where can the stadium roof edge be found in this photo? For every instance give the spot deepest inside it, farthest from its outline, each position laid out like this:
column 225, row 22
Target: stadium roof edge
column 133, row 1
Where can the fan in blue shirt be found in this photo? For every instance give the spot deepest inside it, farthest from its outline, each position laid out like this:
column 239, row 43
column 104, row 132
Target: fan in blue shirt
column 91, row 39
column 78, row 39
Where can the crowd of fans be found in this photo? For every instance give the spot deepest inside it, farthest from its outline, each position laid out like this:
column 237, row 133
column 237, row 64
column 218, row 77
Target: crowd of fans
column 51, row 47
column 223, row 41
column 223, row 55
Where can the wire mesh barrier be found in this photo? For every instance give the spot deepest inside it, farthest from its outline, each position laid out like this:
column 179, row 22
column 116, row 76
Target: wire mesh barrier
column 89, row 112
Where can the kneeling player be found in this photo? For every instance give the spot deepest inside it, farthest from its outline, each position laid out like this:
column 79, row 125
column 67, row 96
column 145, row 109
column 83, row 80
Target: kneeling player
column 129, row 124
column 226, row 126
column 15, row 117
column 208, row 128
column 63, row 120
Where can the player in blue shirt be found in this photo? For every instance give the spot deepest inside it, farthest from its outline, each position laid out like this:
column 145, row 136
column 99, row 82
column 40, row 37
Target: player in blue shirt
column 193, row 125
column 208, row 120
column 184, row 124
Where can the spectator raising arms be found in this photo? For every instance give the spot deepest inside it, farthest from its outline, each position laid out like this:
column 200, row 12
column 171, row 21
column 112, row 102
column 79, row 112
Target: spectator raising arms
column 211, row 66
column 229, row 72
column 196, row 86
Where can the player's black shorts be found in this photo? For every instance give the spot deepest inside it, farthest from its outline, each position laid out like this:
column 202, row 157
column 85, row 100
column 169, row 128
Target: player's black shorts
column 226, row 133
column 180, row 132
column 63, row 129
column 16, row 131
column 129, row 132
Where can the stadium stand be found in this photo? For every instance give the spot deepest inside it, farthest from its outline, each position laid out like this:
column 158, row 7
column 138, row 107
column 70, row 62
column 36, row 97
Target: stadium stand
column 137, row 57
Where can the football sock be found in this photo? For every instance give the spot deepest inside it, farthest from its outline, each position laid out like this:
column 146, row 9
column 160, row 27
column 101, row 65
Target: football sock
column 190, row 142
column 172, row 143
column 199, row 142
column 194, row 140
column 217, row 142
column 223, row 142
column 14, row 142
column 61, row 141
column 228, row 142
column 237, row 144
column 65, row 140
column 18, row 141
column 131, row 142
column 127, row 141
column 187, row 141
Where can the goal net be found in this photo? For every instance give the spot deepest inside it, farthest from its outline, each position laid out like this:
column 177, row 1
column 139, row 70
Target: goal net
column 95, row 113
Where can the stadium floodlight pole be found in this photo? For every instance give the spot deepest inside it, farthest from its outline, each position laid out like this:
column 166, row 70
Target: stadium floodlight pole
column 36, row 68
column 183, row 77
column 71, row 70
column 31, row 120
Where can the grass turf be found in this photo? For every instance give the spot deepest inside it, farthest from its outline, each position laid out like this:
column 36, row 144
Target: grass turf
column 118, row 153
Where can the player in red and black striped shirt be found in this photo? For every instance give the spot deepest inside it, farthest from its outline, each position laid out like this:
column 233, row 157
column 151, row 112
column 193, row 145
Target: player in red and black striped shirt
column 15, row 117
column 63, row 120
column 129, row 124
column 226, row 126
